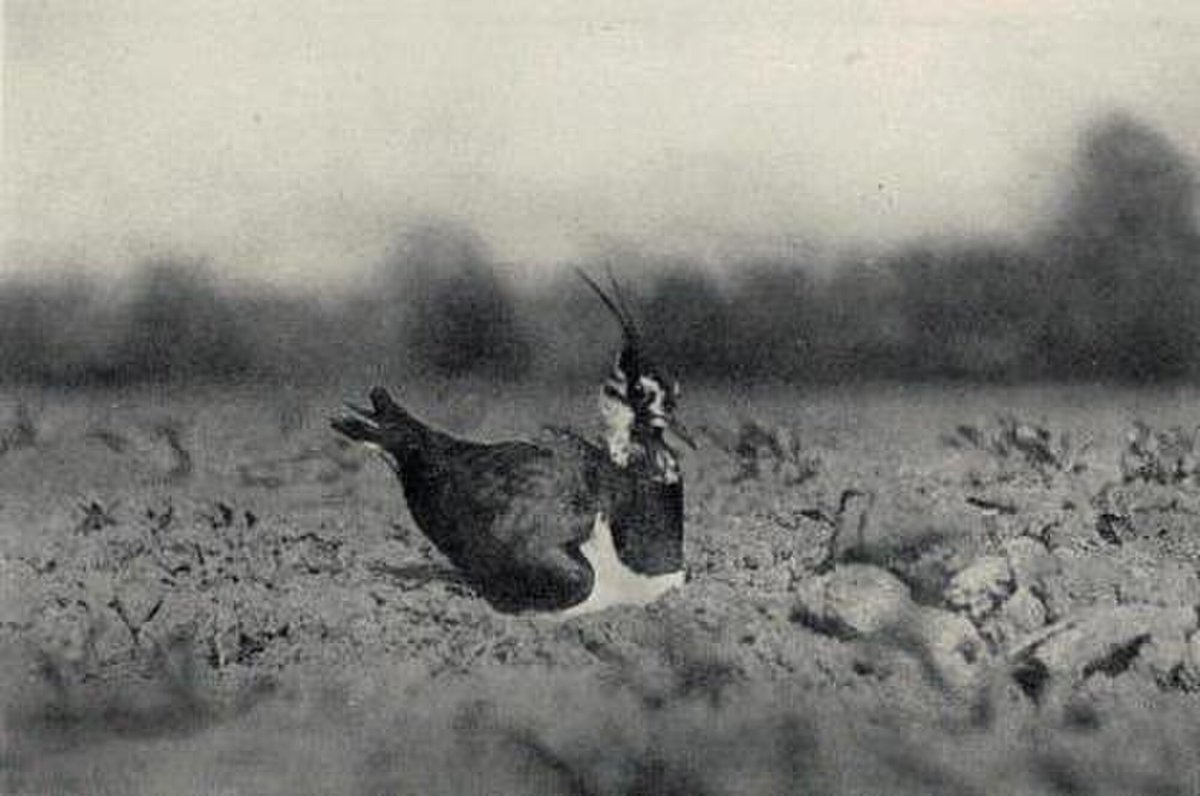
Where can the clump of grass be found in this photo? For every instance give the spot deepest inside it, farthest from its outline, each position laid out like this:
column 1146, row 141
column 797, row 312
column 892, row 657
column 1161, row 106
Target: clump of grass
column 96, row 517
column 1013, row 441
column 759, row 450
column 1160, row 456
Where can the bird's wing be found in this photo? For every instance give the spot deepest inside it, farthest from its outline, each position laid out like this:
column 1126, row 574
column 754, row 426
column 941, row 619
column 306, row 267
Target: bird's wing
column 540, row 495
column 530, row 508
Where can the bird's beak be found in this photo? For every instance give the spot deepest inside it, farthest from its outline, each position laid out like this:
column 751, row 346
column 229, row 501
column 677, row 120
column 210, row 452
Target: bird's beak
column 680, row 430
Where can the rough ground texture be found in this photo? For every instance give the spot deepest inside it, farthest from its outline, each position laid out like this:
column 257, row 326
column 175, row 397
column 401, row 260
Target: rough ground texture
column 892, row 591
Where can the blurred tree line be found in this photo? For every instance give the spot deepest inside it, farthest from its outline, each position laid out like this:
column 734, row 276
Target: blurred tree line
column 1108, row 288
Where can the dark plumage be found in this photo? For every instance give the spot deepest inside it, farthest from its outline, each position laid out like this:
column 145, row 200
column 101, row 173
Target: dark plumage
column 512, row 516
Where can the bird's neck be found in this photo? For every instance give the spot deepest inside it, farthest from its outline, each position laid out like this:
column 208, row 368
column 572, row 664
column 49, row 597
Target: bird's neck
column 618, row 430
column 629, row 445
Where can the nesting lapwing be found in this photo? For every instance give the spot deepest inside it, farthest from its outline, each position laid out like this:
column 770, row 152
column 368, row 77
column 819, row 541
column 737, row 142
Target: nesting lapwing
column 559, row 525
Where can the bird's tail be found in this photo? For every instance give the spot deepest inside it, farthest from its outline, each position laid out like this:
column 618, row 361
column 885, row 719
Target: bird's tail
column 385, row 424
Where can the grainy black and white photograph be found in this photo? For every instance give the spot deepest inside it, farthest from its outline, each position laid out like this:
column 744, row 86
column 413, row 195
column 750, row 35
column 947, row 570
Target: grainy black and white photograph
column 597, row 399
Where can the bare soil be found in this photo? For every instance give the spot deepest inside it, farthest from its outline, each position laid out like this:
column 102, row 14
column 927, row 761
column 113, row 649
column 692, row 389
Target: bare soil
column 892, row 590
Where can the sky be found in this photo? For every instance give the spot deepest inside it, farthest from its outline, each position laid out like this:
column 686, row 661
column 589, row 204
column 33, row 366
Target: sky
column 292, row 141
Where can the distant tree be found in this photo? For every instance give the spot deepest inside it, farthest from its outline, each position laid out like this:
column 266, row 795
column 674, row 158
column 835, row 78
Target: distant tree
column 52, row 330
column 861, row 328
column 774, row 321
column 1124, row 258
column 456, row 317
column 688, row 323
column 1131, row 184
column 298, row 338
column 972, row 310
column 27, row 331
column 178, row 326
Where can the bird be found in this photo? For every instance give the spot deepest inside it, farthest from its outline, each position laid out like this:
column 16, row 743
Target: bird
column 560, row 525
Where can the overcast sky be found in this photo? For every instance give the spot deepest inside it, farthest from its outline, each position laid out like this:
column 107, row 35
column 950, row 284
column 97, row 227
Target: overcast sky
column 292, row 140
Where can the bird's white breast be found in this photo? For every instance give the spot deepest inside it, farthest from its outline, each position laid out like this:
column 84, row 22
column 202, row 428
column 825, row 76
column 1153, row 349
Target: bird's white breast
column 614, row 583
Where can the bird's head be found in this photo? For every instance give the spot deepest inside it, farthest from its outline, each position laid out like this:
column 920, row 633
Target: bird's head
column 638, row 401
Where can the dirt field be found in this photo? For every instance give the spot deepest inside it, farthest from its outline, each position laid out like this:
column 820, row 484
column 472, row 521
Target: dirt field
column 892, row 590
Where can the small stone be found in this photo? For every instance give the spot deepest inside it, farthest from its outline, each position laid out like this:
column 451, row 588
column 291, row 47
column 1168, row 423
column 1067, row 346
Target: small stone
column 860, row 602
column 1031, row 563
column 1020, row 615
column 853, row 600
column 982, row 587
column 1023, row 612
column 955, row 646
